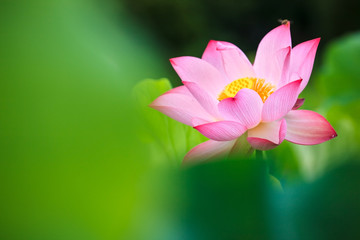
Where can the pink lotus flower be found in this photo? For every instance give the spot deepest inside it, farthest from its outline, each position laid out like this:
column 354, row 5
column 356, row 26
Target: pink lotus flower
column 225, row 96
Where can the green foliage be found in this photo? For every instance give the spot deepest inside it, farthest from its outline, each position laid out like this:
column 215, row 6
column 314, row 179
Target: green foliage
column 339, row 78
column 167, row 140
column 338, row 87
column 69, row 158
column 339, row 84
column 72, row 165
column 236, row 200
column 327, row 208
column 226, row 200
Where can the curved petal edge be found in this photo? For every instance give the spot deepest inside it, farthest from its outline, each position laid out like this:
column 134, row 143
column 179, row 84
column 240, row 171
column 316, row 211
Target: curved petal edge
column 208, row 150
column 221, row 130
column 245, row 108
column 298, row 103
column 267, row 135
column 281, row 102
column 306, row 127
column 180, row 105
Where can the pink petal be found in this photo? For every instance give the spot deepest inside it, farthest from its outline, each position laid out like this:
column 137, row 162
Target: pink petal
column 267, row 135
column 244, row 108
column 196, row 70
column 180, row 105
column 283, row 58
column 208, row 150
column 298, row 103
column 276, row 70
column 302, row 60
column 205, row 100
column 235, row 62
column 221, row 130
column 261, row 144
column 271, row 53
column 199, row 121
column 213, row 56
column 308, row 128
column 180, row 90
column 280, row 102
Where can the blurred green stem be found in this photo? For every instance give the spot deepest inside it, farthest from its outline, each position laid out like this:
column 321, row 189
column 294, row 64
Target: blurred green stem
column 242, row 148
column 259, row 154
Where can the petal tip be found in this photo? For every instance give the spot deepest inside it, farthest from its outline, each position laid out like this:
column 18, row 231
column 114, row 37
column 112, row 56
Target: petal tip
column 154, row 104
column 333, row 135
column 285, row 23
column 298, row 81
column 212, row 41
column 151, row 105
column 306, row 127
column 314, row 42
column 221, row 45
column 299, row 102
column 173, row 61
column 178, row 60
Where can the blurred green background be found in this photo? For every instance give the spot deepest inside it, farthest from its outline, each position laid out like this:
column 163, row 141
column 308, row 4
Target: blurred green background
column 82, row 157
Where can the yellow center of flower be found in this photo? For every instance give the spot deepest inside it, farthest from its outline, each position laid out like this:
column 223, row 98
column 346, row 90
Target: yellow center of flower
column 258, row 85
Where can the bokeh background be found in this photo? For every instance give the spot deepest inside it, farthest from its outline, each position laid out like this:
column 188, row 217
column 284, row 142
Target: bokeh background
column 83, row 157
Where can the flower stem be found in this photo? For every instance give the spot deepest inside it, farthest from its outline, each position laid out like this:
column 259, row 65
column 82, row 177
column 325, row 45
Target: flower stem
column 242, row 149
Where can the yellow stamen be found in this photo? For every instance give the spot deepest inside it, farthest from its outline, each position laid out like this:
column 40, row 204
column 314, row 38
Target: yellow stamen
column 258, row 85
column 263, row 89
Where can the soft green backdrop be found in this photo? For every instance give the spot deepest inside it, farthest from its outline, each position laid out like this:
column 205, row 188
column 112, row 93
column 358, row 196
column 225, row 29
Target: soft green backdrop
column 83, row 157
